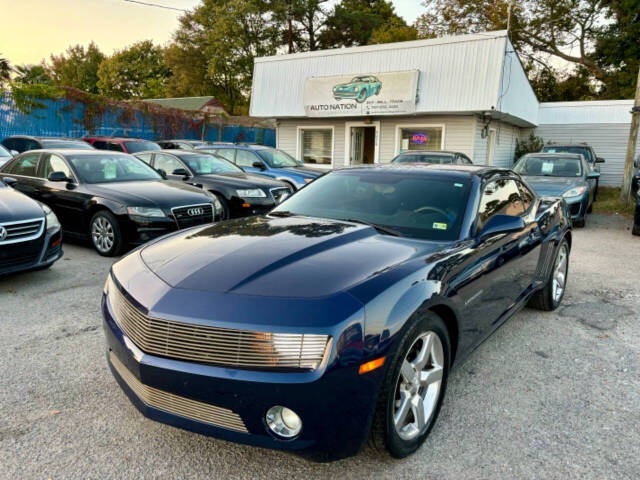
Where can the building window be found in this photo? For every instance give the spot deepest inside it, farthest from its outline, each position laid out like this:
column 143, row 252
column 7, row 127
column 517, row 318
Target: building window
column 316, row 145
column 420, row 138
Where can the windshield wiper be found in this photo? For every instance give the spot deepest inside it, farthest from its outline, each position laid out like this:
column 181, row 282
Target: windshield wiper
column 379, row 228
column 282, row 213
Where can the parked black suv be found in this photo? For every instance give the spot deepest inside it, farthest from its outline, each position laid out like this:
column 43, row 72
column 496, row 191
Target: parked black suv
column 24, row 143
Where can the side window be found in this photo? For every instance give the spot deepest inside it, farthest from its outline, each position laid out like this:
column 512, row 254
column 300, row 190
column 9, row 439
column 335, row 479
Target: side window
column 53, row 163
column 245, row 158
column 116, row 147
column 167, row 163
column 465, row 160
column 30, row 145
column 499, row 197
column 26, row 165
column 228, row 153
column 9, row 144
column 526, row 196
column 100, row 144
column 145, row 157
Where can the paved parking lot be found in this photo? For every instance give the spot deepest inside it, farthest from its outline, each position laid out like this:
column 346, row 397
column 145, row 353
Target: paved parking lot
column 548, row 396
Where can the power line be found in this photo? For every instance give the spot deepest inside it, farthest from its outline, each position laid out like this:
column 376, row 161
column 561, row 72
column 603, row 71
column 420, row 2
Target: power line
column 146, row 4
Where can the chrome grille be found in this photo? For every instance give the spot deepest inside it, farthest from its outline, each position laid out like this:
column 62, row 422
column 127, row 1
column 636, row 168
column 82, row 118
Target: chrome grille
column 217, row 346
column 177, row 405
column 22, row 231
column 193, row 215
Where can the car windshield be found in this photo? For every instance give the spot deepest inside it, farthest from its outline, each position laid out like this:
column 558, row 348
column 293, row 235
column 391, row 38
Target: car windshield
column 277, row 158
column 4, row 152
column 550, row 166
column 584, row 151
column 66, row 144
column 135, row 147
column 209, row 164
column 415, row 206
column 424, row 158
column 104, row 168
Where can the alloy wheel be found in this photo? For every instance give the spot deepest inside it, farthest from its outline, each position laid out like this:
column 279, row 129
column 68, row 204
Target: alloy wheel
column 559, row 274
column 102, row 234
column 418, row 386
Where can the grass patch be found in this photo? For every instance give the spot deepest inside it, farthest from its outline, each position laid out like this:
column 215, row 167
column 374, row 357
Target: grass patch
column 609, row 202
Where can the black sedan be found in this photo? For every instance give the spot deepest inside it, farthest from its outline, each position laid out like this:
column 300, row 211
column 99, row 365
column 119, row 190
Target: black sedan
column 110, row 197
column 239, row 194
column 30, row 234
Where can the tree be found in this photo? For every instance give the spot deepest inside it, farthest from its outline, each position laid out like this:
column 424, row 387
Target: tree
column 77, row 68
column 137, row 71
column 597, row 38
column 5, row 70
column 214, row 48
column 393, row 32
column 353, row 22
column 32, row 74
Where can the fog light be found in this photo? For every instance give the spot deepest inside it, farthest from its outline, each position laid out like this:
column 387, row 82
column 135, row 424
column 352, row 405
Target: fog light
column 283, row 421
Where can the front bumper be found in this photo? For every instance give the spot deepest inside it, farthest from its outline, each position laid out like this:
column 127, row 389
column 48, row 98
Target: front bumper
column 44, row 252
column 339, row 95
column 334, row 402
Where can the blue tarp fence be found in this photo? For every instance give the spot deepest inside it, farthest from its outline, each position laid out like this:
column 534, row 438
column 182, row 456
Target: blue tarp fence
column 62, row 118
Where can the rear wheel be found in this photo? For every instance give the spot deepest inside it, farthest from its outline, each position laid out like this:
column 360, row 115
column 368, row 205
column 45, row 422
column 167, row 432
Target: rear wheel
column 105, row 233
column 413, row 389
column 550, row 297
column 362, row 96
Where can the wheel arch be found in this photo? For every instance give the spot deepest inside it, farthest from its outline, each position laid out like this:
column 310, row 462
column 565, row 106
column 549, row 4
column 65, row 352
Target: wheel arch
column 450, row 320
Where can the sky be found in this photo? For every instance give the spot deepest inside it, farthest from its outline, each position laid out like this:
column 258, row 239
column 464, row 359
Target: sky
column 34, row 29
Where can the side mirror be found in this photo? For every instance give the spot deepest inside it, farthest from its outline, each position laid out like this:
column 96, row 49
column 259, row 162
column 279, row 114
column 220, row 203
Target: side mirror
column 13, row 152
column 599, row 160
column 259, row 165
column 593, row 175
column 180, row 171
column 162, row 173
column 10, row 181
column 501, row 224
column 58, row 177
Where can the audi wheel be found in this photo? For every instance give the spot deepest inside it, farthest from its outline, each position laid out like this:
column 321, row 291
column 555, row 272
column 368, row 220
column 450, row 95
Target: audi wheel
column 105, row 234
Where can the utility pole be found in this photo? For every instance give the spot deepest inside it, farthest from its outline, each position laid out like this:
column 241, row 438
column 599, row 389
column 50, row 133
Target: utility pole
column 625, row 194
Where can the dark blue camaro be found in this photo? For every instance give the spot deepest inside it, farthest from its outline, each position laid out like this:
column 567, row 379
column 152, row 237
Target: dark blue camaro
column 338, row 315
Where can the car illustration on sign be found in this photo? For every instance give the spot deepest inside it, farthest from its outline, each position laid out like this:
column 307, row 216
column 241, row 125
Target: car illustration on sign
column 359, row 88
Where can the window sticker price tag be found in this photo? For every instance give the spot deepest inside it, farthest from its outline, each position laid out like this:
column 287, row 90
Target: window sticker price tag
column 110, row 171
column 547, row 167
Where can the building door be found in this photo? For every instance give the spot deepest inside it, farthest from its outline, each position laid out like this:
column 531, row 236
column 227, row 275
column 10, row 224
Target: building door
column 491, row 146
column 362, row 141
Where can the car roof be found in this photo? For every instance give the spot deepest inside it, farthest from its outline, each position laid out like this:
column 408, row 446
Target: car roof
column 580, row 145
column 234, row 145
column 431, row 168
column 187, row 140
column 446, row 152
column 119, row 139
column 63, row 152
column 175, row 151
column 35, row 137
column 554, row 154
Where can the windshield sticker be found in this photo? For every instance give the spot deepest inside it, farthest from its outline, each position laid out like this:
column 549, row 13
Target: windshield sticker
column 439, row 226
column 110, row 171
column 206, row 166
column 547, row 167
column 459, row 185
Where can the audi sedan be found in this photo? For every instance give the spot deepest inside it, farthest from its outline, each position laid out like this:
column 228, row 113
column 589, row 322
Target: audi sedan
column 111, row 198
column 338, row 316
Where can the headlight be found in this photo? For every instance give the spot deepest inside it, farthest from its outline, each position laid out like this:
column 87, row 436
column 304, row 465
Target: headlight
column 145, row 212
column 574, row 192
column 251, row 193
column 52, row 221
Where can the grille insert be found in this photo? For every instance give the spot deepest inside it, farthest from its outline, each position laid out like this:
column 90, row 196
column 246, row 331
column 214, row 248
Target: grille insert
column 177, row 405
column 22, row 231
column 217, row 346
column 193, row 215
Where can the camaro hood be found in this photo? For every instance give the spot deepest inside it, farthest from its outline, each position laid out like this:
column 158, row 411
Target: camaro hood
column 239, row 180
column 277, row 257
column 14, row 206
column 309, row 172
column 553, row 186
column 151, row 193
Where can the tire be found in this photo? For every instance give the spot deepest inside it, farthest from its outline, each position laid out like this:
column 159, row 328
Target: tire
column 402, row 440
column 105, row 234
column 362, row 96
column 378, row 90
column 636, row 229
column 590, row 208
column 225, row 214
column 545, row 298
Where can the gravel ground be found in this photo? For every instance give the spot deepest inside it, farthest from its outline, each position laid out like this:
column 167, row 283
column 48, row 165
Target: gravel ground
column 550, row 395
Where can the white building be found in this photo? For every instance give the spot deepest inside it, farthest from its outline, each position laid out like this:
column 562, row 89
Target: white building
column 468, row 93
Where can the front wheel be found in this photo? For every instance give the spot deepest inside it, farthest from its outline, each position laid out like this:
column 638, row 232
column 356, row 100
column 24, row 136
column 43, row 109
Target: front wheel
column 550, row 297
column 413, row 389
column 106, row 235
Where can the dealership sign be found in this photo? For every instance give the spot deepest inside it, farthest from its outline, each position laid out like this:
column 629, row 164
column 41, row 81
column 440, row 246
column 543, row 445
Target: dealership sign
column 389, row 93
